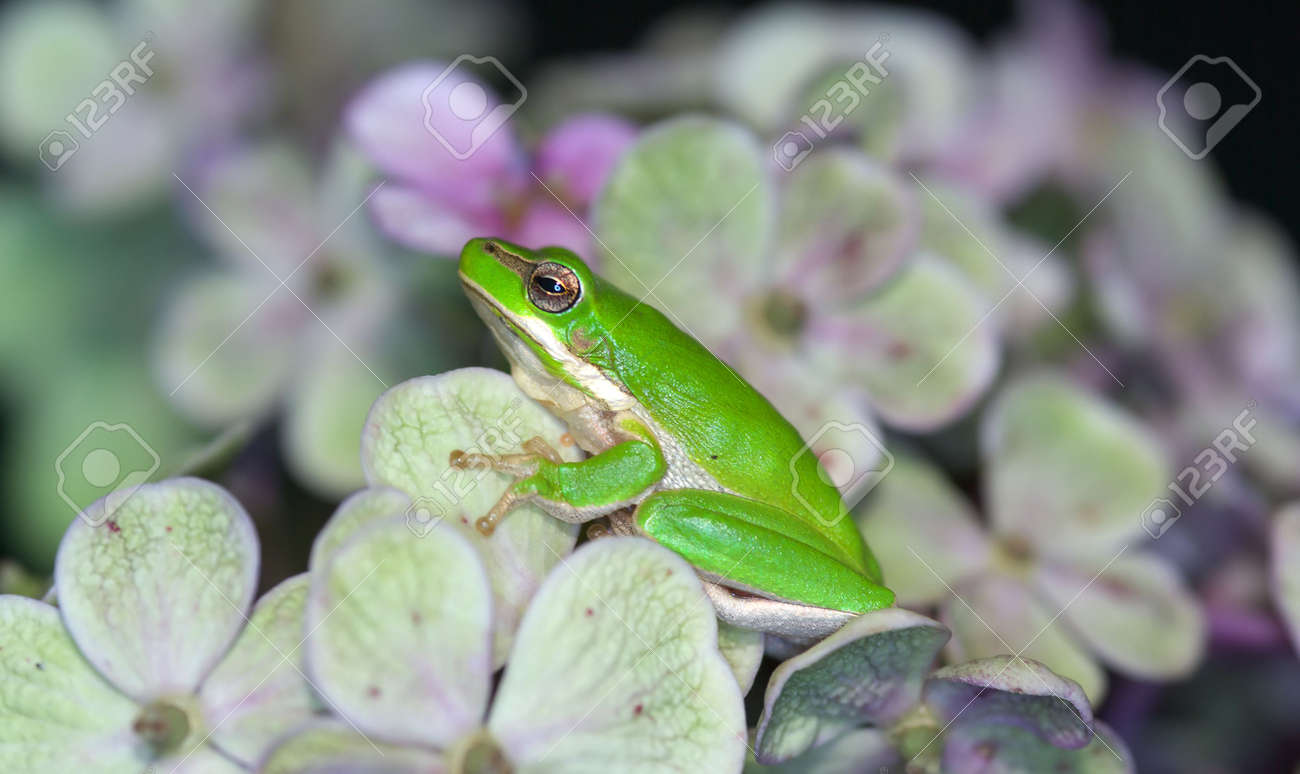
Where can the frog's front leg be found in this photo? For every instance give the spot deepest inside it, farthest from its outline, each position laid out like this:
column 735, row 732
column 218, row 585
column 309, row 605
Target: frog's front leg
column 575, row 492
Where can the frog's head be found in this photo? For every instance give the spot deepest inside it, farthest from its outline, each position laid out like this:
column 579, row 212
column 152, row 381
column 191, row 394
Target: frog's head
column 539, row 304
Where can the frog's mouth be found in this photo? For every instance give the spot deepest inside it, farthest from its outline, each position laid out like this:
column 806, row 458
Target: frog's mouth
column 518, row 344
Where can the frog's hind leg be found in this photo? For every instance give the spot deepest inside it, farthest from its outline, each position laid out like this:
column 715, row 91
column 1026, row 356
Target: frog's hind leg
column 757, row 548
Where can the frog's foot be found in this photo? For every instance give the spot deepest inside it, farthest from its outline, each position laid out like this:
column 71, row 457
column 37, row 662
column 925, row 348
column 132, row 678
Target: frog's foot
column 517, row 465
column 487, row 523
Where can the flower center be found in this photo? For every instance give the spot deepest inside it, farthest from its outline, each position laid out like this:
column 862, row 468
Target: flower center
column 782, row 314
column 161, row 726
column 479, row 754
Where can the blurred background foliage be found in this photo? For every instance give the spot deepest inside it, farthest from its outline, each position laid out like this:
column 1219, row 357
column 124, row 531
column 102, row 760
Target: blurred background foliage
column 1161, row 290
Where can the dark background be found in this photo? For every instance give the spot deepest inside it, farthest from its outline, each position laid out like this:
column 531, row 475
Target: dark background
column 1258, row 158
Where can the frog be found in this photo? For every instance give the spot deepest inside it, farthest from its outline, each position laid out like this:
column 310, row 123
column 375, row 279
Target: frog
column 680, row 448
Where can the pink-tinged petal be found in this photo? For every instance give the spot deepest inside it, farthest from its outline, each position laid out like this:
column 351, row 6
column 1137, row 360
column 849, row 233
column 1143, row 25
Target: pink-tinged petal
column 868, row 673
column 846, row 225
column 973, row 748
column 1286, row 568
column 998, row 615
column 616, row 668
column 1005, row 690
column 924, row 531
column 258, row 691
column 404, row 122
column 401, row 639
column 578, row 155
column 1136, row 614
column 153, row 583
column 426, row 223
column 547, row 223
column 255, row 204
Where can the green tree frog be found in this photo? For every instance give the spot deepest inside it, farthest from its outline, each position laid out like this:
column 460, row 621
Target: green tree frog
column 683, row 451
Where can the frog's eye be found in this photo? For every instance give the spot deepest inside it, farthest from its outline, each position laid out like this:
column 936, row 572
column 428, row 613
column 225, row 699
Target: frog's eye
column 553, row 287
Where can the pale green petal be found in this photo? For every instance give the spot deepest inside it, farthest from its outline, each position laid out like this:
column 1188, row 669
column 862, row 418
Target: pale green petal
column 846, row 225
column 688, row 207
column 226, row 344
column 996, row 615
column 866, row 750
column 326, row 414
column 616, row 668
column 51, row 56
column 155, row 592
column 1009, row 690
column 258, row 693
column 917, row 344
column 1006, row 749
column 868, row 673
column 333, row 748
column 1137, row 615
column 771, row 55
column 1066, row 471
column 925, row 533
column 401, row 633
column 408, row 439
column 56, row 714
column 743, row 650
column 1285, row 547
column 362, row 509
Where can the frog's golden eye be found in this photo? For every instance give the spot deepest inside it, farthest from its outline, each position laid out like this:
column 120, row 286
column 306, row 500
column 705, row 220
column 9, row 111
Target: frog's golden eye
column 553, row 287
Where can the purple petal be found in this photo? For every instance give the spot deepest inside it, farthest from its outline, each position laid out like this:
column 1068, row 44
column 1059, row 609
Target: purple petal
column 423, row 222
column 403, row 121
column 1007, row 690
column 549, row 223
column 578, row 155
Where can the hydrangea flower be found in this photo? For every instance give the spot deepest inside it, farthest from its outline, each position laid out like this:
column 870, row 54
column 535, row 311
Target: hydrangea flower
column 297, row 317
column 406, row 123
column 200, row 83
column 614, row 667
column 865, row 699
column 406, row 446
column 152, row 657
column 817, row 292
column 1285, row 563
column 1054, row 575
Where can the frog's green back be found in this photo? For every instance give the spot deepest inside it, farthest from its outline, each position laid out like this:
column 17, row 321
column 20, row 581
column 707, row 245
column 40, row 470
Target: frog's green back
column 722, row 422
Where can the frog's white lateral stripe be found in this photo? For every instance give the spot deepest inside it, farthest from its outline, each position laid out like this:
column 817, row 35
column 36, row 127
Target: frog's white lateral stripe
column 606, row 390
